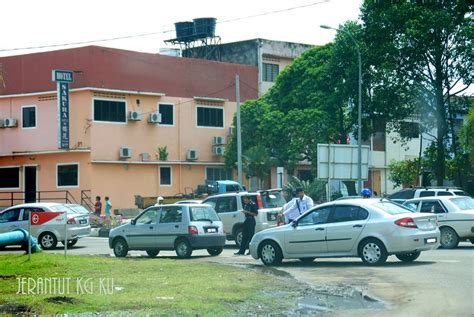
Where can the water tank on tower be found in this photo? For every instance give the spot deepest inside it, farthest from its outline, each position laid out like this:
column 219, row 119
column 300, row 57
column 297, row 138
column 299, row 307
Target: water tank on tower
column 204, row 27
column 184, row 30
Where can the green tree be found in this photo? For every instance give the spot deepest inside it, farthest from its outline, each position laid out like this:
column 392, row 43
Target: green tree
column 427, row 46
column 257, row 163
column 467, row 136
column 404, row 172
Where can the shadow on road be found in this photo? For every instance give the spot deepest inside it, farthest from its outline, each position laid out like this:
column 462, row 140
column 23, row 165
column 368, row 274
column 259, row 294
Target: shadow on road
column 330, row 264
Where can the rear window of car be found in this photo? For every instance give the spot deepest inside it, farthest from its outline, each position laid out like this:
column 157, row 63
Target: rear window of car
column 403, row 194
column 463, row 203
column 391, row 208
column 200, row 213
column 59, row 208
column 272, row 199
column 78, row 209
column 427, row 193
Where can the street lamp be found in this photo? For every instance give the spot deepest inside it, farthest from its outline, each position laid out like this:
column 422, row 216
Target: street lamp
column 359, row 117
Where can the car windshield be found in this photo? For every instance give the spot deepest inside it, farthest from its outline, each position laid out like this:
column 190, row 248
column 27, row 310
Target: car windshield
column 391, row 208
column 272, row 199
column 463, row 203
column 203, row 213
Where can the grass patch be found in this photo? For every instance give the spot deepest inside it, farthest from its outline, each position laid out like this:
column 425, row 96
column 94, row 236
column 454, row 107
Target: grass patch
column 164, row 286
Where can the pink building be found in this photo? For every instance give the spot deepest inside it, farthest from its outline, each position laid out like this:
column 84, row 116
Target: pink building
column 116, row 99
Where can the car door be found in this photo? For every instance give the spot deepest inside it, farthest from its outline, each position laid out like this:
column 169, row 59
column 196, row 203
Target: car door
column 344, row 227
column 308, row 235
column 170, row 226
column 35, row 230
column 10, row 220
column 142, row 234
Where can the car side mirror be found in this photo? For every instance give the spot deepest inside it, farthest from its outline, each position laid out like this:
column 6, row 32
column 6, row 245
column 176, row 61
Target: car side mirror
column 133, row 222
column 294, row 224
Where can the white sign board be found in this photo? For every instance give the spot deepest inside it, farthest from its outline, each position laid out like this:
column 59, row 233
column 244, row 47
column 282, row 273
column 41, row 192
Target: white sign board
column 340, row 161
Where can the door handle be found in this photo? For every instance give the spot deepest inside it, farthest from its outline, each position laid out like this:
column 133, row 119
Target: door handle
column 357, row 226
column 319, row 229
column 233, row 216
column 176, row 226
column 151, row 227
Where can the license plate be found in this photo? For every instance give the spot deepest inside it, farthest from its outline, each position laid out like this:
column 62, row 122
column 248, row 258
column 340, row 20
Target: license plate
column 430, row 240
column 211, row 230
column 82, row 221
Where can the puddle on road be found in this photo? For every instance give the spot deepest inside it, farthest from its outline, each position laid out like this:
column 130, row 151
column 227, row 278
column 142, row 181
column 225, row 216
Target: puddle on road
column 324, row 299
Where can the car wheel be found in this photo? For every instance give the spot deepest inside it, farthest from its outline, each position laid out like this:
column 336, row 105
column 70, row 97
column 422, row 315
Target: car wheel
column 239, row 233
column 408, row 257
column 71, row 243
column 120, row 248
column 47, row 240
column 270, row 253
column 307, row 260
column 152, row 252
column 372, row 252
column 183, row 249
column 215, row 251
column 449, row 239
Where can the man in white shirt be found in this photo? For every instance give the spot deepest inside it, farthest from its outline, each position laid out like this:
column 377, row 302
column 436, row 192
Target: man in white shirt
column 297, row 206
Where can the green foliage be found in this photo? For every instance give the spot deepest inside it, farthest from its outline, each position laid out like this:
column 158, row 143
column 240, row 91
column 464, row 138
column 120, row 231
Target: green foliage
column 404, row 172
column 256, row 162
column 163, row 153
column 315, row 189
column 467, row 136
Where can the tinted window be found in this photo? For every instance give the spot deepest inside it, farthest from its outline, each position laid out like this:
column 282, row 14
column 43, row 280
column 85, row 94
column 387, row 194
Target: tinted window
column 433, row 207
column 463, row 203
column 166, row 112
column 460, row 193
column 210, row 117
column 391, row 208
column 427, row 193
column 445, row 194
column 348, row 213
column 403, row 194
column 165, row 175
column 29, row 117
column 27, row 210
column 199, row 213
column 68, row 175
column 315, row 217
column 10, row 215
column 211, row 202
column 10, row 177
column 110, row 111
column 272, row 199
column 171, row 214
column 226, row 204
column 412, row 205
column 148, row 217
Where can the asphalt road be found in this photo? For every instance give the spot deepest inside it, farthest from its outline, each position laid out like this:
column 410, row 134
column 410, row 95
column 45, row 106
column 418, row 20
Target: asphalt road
column 439, row 283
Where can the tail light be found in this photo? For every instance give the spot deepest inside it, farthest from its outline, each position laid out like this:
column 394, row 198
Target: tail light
column 192, row 230
column 407, row 222
column 71, row 221
column 259, row 202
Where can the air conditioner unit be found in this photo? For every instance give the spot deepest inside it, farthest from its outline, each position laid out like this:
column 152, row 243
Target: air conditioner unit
column 192, row 155
column 1, row 123
column 218, row 150
column 231, row 131
column 9, row 122
column 125, row 152
column 134, row 116
column 145, row 156
column 219, row 140
column 154, row 117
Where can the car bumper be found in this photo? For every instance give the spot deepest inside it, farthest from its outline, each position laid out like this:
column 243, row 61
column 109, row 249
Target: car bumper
column 253, row 249
column 403, row 241
column 203, row 242
column 76, row 233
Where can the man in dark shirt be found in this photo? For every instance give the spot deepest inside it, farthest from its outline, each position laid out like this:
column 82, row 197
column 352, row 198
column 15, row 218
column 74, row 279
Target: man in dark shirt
column 250, row 211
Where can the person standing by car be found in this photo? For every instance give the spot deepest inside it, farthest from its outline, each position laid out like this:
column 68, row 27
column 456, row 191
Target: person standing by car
column 250, row 211
column 97, row 206
column 108, row 208
column 297, row 206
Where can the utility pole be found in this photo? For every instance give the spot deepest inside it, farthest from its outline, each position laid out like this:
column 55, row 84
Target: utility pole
column 239, row 135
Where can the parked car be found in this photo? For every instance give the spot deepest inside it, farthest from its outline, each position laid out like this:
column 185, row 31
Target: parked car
column 371, row 229
column 49, row 233
column 189, row 201
column 409, row 193
column 455, row 217
column 179, row 227
column 229, row 206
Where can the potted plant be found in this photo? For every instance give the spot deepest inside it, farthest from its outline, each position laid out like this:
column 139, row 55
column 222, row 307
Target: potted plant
column 162, row 154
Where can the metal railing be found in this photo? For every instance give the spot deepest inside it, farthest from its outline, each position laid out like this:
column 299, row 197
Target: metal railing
column 18, row 197
column 86, row 200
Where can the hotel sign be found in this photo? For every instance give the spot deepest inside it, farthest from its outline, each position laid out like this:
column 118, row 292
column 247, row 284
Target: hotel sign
column 63, row 78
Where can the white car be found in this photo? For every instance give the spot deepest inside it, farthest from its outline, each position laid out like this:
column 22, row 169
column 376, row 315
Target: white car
column 455, row 217
column 371, row 229
column 49, row 233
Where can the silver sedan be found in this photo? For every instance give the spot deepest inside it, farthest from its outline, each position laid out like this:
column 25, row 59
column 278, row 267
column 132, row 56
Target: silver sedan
column 371, row 229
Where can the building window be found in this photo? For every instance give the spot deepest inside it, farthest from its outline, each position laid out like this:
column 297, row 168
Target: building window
column 210, row 117
column 165, row 176
column 167, row 114
column 218, row 173
column 68, row 175
column 110, row 111
column 270, row 72
column 28, row 115
column 9, row 177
